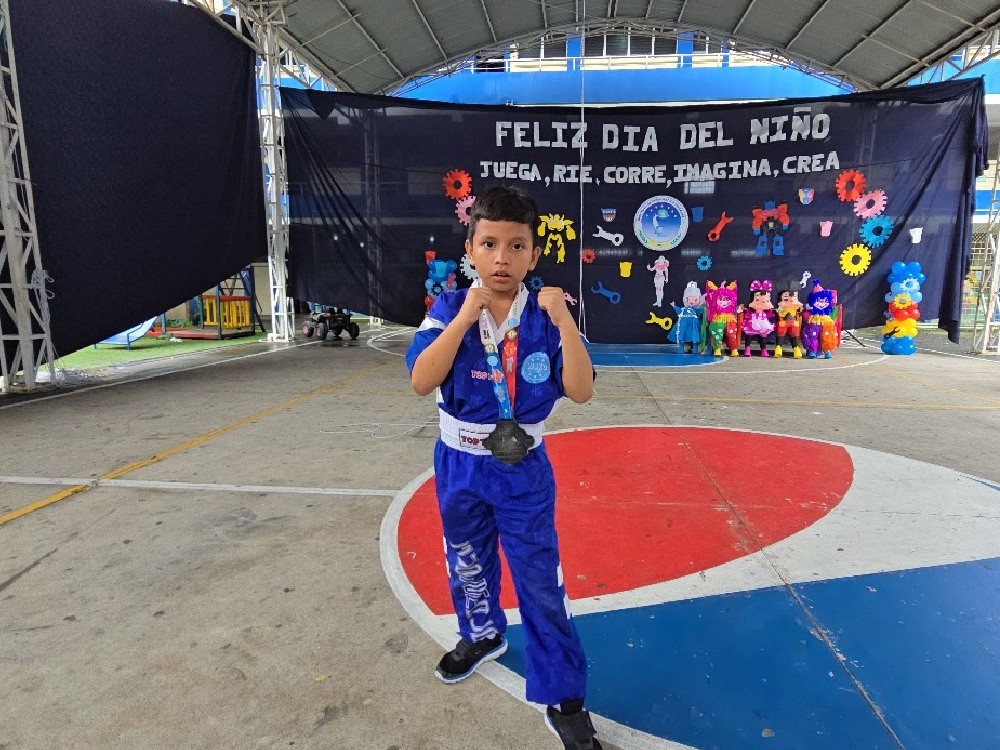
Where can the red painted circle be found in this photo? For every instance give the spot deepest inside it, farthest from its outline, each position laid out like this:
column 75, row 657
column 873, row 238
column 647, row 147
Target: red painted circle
column 642, row 505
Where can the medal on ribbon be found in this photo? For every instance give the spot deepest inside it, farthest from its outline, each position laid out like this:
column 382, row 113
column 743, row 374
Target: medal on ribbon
column 508, row 442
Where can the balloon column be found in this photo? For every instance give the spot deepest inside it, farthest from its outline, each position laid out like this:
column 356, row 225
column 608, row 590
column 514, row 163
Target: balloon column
column 902, row 313
column 440, row 277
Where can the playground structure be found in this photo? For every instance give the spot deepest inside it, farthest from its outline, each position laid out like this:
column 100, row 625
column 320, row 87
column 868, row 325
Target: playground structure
column 129, row 336
column 227, row 311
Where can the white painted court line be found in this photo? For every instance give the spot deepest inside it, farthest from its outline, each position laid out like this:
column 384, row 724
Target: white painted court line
column 200, row 487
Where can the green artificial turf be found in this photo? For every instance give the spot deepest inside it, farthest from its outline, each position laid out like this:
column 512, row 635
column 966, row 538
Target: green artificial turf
column 108, row 355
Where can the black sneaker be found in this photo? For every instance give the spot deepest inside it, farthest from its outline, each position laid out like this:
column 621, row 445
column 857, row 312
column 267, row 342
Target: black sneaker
column 575, row 730
column 462, row 660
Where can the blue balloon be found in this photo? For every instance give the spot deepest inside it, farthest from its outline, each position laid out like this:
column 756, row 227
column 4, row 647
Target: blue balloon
column 903, row 271
column 901, row 345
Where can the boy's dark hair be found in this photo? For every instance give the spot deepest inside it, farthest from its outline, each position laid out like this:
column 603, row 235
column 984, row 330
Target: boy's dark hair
column 502, row 203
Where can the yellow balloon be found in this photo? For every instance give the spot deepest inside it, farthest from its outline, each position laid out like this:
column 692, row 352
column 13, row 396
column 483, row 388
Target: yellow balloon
column 899, row 328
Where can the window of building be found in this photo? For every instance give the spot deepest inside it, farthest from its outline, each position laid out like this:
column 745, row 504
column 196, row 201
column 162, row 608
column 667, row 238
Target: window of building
column 640, row 45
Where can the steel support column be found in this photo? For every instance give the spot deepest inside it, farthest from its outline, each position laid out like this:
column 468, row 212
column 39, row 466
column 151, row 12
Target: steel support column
column 23, row 295
column 272, row 144
column 985, row 328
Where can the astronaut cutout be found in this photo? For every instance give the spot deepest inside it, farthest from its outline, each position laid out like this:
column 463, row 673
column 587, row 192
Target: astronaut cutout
column 659, row 266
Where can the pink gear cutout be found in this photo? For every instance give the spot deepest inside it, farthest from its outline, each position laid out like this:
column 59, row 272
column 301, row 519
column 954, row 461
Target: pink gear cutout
column 462, row 209
column 877, row 200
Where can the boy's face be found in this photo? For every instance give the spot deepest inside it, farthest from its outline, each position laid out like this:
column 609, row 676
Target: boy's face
column 502, row 252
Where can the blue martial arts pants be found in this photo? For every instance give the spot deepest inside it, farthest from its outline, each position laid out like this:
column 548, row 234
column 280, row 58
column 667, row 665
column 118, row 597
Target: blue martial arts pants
column 481, row 500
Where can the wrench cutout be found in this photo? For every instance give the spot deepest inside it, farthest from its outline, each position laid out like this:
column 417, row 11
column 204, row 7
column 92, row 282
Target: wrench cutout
column 614, row 239
column 569, row 298
column 615, row 297
column 715, row 232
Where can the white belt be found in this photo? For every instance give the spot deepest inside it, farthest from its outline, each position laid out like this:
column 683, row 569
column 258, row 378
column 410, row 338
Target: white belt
column 469, row 436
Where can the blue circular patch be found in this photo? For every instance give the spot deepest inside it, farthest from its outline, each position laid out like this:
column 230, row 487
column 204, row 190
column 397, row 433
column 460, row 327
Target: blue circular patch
column 536, row 368
column 493, row 360
column 661, row 222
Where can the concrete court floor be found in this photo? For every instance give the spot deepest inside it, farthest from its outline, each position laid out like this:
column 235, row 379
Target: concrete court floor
column 147, row 611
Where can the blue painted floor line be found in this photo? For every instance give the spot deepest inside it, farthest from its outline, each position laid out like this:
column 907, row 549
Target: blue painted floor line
column 748, row 670
column 646, row 355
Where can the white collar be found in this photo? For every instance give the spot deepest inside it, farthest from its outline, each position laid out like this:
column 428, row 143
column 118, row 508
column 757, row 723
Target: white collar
column 501, row 330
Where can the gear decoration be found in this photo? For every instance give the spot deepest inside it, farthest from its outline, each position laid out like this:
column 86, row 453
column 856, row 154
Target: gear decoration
column 901, row 301
column 462, row 209
column 468, row 270
column 870, row 204
column 535, row 283
column 855, row 260
column 588, row 256
column 704, row 262
column 457, row 184
column 854, row 179
column 876, row 230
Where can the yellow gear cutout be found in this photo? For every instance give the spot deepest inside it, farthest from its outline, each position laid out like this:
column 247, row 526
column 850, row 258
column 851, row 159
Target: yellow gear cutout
column 855, row 260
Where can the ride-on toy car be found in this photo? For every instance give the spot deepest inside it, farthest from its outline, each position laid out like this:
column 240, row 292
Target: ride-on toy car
column 332, row 319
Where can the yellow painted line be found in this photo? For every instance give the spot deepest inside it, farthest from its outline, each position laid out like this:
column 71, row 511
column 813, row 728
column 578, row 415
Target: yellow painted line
column 944, row 388
column 194, row 442
column 6, row 517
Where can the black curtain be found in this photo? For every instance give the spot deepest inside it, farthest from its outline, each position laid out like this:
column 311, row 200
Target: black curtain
column 141, row 128
column 368, row 196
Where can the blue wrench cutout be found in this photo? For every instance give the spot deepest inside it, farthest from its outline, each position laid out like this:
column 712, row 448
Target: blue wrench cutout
column 615, row 297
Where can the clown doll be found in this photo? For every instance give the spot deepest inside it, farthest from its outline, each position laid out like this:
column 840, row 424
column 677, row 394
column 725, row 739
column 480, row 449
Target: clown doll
column 819, row 333
column 720, row 309
column 758, row 317
column 690, row 320
column 789, row 327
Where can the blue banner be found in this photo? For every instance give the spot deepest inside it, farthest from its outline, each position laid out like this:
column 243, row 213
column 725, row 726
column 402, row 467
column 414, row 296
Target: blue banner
column 637, row 202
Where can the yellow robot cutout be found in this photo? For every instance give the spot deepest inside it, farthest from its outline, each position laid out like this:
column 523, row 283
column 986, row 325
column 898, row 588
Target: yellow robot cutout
column 555, row 225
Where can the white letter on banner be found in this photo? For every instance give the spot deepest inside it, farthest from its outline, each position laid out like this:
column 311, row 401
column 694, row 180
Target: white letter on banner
column 649, row 141
column 610, row 136
column 520, row 131
column 759, row 130
column 821, row 126
column 689, row 136
column 779, row 128
column 502, row 128
column 630, row 131
column 559, row 127
column 801, row 124
column 538, row 138
column 723, row 141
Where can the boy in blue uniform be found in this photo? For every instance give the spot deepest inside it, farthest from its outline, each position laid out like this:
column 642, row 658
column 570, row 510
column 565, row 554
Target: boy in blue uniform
column 499, row 359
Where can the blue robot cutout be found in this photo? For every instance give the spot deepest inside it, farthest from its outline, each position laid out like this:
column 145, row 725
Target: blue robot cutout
column 769, row 225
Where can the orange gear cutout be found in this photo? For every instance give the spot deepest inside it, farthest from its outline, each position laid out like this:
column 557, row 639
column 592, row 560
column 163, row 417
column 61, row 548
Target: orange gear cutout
column 457, row 184
column 857, row 183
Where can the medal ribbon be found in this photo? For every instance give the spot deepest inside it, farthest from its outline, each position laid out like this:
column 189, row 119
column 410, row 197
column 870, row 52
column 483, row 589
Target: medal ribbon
column 503, row 372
